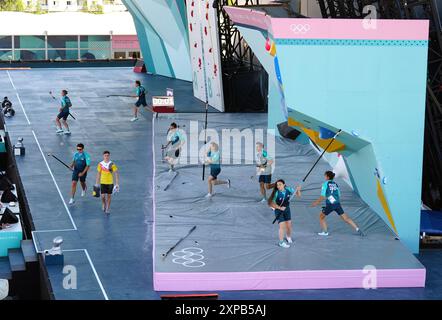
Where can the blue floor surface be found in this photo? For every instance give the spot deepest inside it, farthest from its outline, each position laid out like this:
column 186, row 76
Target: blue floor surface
column 113, row 255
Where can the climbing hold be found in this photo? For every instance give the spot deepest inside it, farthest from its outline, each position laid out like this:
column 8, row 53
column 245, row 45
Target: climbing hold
column 272, row 49
column 267, row 45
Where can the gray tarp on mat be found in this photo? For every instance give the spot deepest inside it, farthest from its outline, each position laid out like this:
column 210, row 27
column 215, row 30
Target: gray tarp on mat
column 234, row 231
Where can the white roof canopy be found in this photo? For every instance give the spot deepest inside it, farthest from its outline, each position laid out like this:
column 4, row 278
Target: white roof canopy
column 66, row 23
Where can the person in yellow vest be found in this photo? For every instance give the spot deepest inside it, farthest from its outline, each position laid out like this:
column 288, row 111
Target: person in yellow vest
column 106, row 172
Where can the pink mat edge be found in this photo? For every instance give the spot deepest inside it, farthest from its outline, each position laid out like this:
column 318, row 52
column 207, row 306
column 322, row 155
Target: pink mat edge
column 286, row 280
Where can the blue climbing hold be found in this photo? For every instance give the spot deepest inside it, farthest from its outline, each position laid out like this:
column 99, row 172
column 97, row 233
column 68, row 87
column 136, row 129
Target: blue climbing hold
column 325, row 133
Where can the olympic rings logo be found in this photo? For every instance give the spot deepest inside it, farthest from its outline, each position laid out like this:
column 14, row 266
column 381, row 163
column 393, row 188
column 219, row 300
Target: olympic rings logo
column 300, row 28
column 189, row 257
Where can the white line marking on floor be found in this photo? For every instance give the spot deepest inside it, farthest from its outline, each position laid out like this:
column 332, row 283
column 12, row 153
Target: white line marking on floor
column 10, row 79
column 103, row 291
column 55, row 182
column 18, row 97
column 96, row 275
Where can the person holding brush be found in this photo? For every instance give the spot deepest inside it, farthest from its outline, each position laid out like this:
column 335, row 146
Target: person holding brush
column 280, row 201
column 332, row 195
column 63, row 114
column 80, row 166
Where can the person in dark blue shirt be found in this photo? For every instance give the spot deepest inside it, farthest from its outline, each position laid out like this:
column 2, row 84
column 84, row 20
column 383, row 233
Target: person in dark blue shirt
column 280, row 201
column 213, row 159
column 332, row 195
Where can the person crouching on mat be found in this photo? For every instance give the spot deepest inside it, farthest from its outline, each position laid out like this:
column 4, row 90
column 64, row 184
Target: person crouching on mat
column 173, row 146
column 80, row 165
column 264, row 170
column 62, row 117
column 331, row 194
column 106, row 170
column 213, row 159
column 280, row 201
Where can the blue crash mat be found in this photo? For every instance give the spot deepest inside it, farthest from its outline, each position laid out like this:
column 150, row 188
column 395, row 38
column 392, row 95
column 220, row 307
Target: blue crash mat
column 431, row 222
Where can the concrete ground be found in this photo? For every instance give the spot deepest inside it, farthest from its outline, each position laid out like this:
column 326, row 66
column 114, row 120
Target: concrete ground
column 112, row 255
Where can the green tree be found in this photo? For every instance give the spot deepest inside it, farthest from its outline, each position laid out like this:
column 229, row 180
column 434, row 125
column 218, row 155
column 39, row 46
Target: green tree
column 85, row 8
column 38, row 8
column 11, row 5
column 100, row 9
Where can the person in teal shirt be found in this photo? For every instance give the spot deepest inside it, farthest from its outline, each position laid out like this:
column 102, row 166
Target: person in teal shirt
column 62, row 117
column 264, row 170
column 280, row 201
column 213, row 159
column 175, row 141
column 140, row 93
column 80, row 165
column 332, row 195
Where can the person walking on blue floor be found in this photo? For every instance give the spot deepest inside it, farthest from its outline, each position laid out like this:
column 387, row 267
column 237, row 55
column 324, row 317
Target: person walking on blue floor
column 280, row 201
column 332, row 195
column 141, row 99
column 106, row 172
column 264, row 170
column 80, row 166
column 213, row 159
column 62, row 117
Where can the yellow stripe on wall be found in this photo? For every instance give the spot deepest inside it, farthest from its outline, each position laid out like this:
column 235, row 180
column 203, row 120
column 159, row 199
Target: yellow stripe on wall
column 384, row 204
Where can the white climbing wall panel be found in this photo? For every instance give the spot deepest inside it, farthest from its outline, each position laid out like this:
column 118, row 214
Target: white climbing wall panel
column 205, row 52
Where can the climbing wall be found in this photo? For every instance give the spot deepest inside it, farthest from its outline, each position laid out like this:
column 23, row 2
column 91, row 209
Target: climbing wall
column 205, row 52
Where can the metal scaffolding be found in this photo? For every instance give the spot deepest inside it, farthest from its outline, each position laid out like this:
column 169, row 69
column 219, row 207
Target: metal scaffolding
column 412, row 9
column 239, row 65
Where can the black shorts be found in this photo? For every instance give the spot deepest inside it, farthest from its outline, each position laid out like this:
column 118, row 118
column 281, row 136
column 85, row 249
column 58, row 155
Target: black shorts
column 329, row 208
column 107, row 188
column 283, row 216
column 266, row 178
column 141, row 102
column 63, row 115
column 75, row 176
column 214, row 172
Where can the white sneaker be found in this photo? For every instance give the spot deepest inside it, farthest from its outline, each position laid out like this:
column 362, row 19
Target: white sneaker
column 263, row 200
column 209, row 195
column 134, row 119
column 323, row 233
column 71, row 201
column 67, row 132
column 83, row 193
column 59, row 131
column 289, row 240
column 282, row 244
